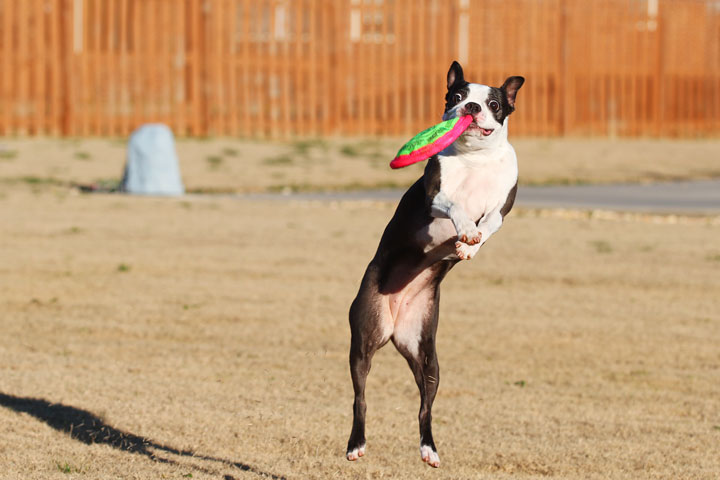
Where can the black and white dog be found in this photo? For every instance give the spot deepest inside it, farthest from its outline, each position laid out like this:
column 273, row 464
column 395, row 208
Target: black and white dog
column 445, row 217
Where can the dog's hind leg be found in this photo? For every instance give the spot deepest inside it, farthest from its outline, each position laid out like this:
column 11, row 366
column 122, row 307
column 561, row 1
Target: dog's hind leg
column 370, row 329
column 414, row 337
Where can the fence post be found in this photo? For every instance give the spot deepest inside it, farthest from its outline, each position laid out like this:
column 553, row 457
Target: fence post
column 66, row 61
column 660, row 90
column 565, row 84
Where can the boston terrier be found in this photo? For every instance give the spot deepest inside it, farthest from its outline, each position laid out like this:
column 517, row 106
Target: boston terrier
column 446, row 216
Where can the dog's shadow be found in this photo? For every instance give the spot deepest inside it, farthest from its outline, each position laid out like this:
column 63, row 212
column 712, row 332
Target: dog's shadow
column 88, row 428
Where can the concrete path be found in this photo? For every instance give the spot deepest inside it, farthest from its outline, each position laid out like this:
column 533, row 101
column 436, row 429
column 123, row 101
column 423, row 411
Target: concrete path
column 676, row 197
column 702, row 197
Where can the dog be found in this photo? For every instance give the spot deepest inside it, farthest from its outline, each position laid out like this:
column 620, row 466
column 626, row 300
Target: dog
column 444, row 217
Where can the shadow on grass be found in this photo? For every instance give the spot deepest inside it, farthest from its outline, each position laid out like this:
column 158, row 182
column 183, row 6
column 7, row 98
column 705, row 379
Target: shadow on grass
column 88, row 428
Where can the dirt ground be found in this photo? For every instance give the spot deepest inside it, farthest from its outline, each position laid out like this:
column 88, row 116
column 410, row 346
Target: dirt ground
column 231, row 165
column 206, row 337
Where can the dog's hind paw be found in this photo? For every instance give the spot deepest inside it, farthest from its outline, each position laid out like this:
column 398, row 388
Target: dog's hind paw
column 355, row 453
column 429, row 456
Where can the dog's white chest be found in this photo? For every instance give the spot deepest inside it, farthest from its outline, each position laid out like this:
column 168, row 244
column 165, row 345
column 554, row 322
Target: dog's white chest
column 479, row 183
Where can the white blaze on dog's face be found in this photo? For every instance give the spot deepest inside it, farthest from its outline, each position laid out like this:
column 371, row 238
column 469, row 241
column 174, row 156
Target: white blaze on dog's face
column 489, row 107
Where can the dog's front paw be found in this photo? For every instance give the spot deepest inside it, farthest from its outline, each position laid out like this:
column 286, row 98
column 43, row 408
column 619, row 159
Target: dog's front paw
column 465, row 251
column 429, row 456
column 469, row 234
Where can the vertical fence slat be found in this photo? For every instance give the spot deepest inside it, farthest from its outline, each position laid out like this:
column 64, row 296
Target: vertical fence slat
column 23, row 67
column 80, row 56
column 164, row 65
column 37, row 92
column 396, row 67
column 232, row 85
column 136, row 79
column 122, row 52
column 326, row 68
column 286, row 71
column 296, row 98
column 67, row 11
column 110, row 52
column 6, row 68
column 193, row 55
column 312, row 62
column 336, row 55
column 95, row 82
column 246, row 68
column 219, row 84
column 54, row 45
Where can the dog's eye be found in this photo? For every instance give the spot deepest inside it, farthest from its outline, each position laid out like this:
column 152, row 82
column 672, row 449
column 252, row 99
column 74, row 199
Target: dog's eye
column 494, row 106
column 458, row 97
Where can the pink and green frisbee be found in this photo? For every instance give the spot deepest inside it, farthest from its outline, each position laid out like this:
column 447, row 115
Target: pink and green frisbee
column 431, row 141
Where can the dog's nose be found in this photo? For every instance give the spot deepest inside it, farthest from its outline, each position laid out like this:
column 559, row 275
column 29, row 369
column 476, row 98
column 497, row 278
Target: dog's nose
column 472, row 108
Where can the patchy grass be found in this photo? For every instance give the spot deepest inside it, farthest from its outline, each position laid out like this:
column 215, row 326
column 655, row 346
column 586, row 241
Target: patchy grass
column 602, row 246
column 225, row 385
column 230, row 152
column 279, row 160
column 369, row 149
column 38, row 302
column 123, row 268
column 350, row 150
column 8, row 154
column 214, row 161
column 330, row 163
column 555, row 182
column 347, row 187
column 36, row 181
column 306, row 147
column 497, row 281
column 65, row 467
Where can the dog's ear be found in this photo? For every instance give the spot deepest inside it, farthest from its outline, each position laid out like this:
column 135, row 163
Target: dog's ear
column 510, row 87
column 455, row 75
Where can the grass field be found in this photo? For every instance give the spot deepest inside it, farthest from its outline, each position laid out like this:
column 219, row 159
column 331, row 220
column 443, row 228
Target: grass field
column 207, row 337
column 230, row 165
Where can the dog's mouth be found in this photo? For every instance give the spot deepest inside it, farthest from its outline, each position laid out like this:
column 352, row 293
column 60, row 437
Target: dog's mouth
column 483, row 131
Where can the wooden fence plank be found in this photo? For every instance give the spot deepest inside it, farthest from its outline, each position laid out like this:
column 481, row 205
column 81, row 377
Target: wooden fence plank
column 232, row 70
column 36, row 104
column 7, row 63
column 54, row 45
column 22, row 67
column 66, row 12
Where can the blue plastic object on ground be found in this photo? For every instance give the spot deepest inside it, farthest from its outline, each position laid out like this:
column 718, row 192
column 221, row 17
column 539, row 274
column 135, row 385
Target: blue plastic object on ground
column 152, row 163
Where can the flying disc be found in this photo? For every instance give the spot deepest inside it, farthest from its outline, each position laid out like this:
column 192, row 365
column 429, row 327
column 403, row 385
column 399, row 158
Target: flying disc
column 431, row 141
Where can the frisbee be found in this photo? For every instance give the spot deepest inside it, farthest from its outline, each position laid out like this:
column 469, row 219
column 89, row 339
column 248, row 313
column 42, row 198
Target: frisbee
column 431, row 141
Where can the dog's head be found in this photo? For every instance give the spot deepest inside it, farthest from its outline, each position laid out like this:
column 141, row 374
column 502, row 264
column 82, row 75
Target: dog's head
column 489, row 106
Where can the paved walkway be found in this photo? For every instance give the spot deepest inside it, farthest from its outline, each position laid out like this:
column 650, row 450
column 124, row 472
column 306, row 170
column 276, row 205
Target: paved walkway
column 677, row 197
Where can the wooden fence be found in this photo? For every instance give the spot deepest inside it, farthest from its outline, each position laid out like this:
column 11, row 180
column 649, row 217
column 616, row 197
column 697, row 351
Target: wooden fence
column 283, row 68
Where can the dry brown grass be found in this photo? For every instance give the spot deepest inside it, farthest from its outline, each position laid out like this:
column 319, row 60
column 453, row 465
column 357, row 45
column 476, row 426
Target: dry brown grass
column 229, row 165
column 570, row 348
